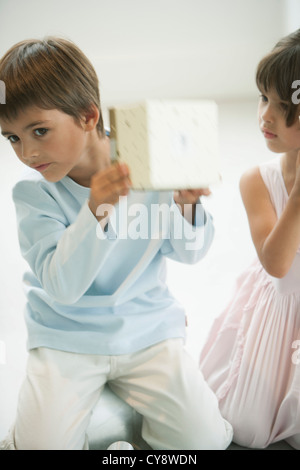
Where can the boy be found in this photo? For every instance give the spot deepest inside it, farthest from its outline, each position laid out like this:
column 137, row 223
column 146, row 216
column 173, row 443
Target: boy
column 98, row 307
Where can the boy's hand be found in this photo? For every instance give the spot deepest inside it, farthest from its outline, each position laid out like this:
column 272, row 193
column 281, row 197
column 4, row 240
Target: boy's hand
column 108, row 185
column 190, row 197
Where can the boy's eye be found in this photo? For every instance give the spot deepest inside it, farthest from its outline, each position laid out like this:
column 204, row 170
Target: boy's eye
column 40, row 132
column 13, row 139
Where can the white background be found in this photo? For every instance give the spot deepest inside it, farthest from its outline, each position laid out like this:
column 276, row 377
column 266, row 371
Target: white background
column 154, row 49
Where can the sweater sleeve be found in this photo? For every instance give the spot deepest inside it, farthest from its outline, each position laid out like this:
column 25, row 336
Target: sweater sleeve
column 56, row 251
column 189, row 243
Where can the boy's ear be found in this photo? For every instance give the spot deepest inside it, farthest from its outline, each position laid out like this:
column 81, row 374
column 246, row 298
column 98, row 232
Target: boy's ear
column 90, row 118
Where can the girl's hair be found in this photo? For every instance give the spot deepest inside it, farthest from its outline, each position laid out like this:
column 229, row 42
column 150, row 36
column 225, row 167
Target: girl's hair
column 279, row 69
column 52, row 73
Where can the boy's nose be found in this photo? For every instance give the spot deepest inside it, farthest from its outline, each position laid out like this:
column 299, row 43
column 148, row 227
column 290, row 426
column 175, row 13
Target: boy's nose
column 28, row 153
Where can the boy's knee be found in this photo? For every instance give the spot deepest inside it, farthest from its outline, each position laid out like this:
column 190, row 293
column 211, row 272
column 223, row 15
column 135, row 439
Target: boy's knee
column 49, row 438
column 211, row 437
column 189, row 435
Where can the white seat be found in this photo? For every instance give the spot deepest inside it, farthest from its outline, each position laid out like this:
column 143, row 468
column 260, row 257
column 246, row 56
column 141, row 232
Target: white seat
column 114, row 420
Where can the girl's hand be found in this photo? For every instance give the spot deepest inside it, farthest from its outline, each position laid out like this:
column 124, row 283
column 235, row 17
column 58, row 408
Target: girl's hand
column 107, row 186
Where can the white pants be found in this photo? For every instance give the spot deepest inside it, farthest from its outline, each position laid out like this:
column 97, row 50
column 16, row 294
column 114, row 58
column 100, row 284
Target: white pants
column 161, row 382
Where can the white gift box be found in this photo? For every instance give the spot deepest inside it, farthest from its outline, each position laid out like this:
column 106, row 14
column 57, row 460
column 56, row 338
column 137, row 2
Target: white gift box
column 167, row 144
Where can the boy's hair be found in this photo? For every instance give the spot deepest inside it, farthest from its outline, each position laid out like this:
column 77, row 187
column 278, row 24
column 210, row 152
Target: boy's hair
column 51, row 73
column 279, row 69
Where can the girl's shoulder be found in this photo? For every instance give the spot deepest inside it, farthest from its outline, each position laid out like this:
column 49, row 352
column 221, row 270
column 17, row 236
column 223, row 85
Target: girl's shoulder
column 251, row 180
column 267, row 174
column 264, row 183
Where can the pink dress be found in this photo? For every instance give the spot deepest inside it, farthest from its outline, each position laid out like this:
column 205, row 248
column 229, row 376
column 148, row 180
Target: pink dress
column 251, row 358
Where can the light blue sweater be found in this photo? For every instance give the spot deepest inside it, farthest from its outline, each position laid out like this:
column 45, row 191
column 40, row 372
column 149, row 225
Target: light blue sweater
column 102, row 292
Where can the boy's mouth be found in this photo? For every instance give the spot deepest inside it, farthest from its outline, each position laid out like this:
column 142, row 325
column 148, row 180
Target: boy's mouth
column 41, row 167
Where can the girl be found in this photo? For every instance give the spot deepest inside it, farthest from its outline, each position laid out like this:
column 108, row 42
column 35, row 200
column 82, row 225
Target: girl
column 250, row 358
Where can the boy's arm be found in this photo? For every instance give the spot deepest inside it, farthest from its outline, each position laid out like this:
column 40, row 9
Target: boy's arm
column 188, row 243
column 57, row 253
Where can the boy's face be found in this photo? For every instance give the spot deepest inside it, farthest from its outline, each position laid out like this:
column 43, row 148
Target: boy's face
column 48, row 141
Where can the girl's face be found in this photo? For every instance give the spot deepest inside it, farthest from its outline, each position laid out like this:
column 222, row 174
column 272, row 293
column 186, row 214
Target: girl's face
column 48, row 141
column 271, row 118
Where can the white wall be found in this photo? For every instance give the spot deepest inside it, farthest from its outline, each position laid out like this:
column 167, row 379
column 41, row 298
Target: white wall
column 157, row 48
column 291, row 16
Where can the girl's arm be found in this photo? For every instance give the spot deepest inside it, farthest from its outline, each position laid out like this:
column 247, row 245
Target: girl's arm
column 276, row 240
